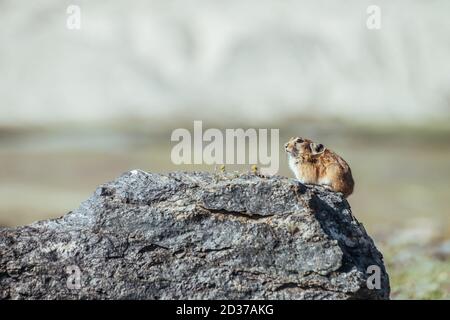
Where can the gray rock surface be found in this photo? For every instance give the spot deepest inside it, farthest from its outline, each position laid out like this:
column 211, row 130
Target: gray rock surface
column 194, row 236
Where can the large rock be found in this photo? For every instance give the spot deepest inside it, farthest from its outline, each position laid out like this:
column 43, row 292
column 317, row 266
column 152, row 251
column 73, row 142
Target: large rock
column 195, row 236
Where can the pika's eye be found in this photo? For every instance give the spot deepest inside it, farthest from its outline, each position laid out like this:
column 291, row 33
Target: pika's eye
column 299, row 140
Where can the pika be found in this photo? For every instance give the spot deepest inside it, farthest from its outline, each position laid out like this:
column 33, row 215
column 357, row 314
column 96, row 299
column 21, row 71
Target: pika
column 312, row 163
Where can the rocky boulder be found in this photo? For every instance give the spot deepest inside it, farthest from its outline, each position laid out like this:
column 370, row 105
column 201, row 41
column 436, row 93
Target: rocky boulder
column 195, row 235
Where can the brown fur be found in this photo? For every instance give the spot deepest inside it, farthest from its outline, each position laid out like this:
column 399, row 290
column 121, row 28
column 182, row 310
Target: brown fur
column 314, row 164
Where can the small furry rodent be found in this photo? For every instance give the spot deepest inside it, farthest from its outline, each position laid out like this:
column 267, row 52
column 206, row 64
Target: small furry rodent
column 312, row 163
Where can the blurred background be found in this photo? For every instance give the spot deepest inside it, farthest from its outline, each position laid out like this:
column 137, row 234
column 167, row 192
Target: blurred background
column 80, row 107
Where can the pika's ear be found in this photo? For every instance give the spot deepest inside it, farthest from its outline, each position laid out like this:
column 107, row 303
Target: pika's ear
column 317, row 148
